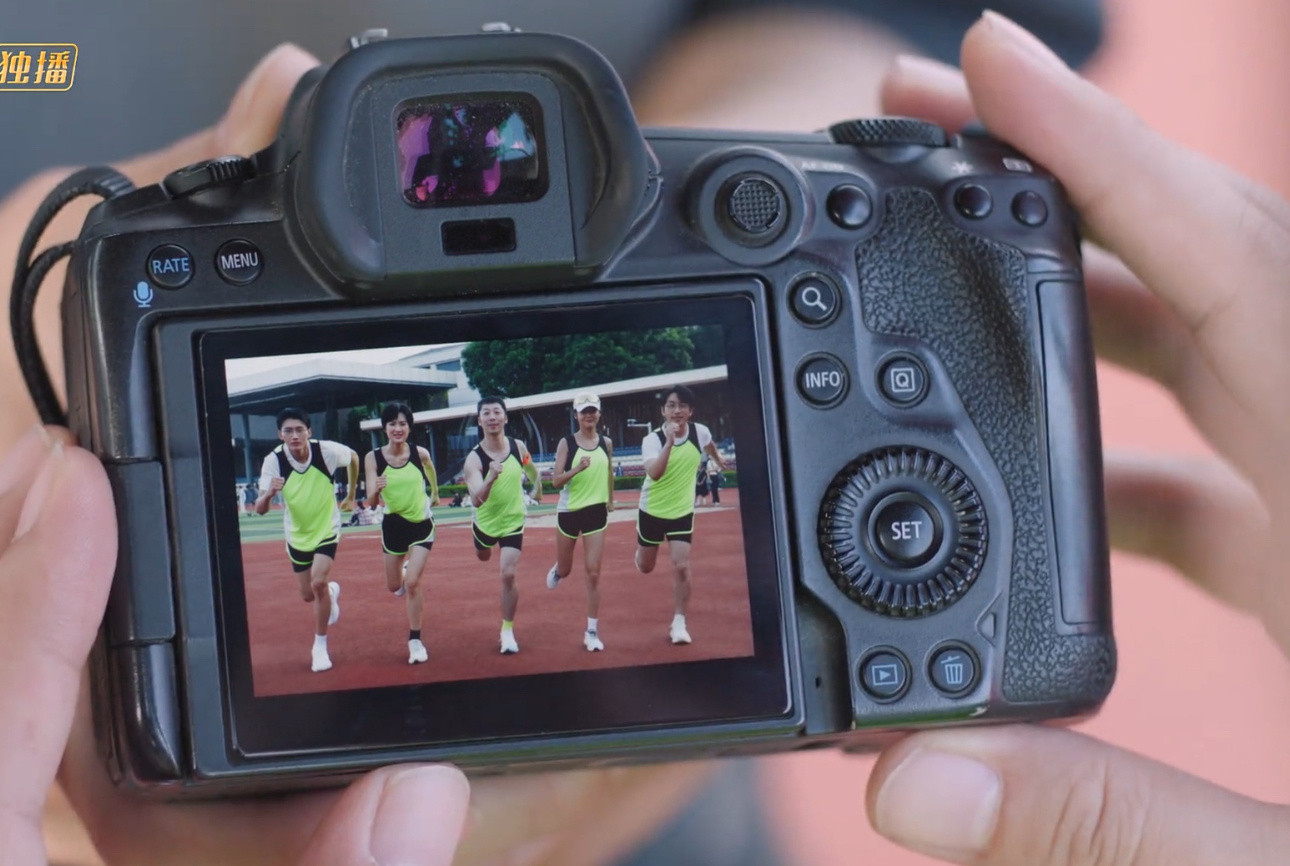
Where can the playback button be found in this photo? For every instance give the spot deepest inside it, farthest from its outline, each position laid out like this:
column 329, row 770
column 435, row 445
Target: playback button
column 169, row 267
column 884, row 675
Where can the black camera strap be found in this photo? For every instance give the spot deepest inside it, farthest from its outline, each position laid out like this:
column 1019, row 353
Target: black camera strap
column 104, row 182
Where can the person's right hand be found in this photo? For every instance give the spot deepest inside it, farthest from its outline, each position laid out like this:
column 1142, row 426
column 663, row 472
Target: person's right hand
column 1204, row 309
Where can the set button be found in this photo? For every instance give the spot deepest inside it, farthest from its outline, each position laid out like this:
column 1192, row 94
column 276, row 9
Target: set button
column 170, row 266
column 904, row 529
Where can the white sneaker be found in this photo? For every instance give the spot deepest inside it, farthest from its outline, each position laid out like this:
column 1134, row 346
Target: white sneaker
column 508, row 643
column 553, row 577
column 334, row 589
column 678, row 634
column 417, row 652
column 321, row 661
column 592, row 642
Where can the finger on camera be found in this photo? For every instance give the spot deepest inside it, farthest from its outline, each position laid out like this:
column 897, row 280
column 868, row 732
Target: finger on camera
column 399, row 814
column 18, row 470
column 1150, row 200
column 126, row 828
column 55, row 584
column 1134, row 329
column 1195, row 514
column 249, row 125
column 928, row 89
column 1034, row 794
column 553, row 811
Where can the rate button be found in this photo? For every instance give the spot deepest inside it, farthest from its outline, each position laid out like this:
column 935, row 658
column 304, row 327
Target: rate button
column 169, row 266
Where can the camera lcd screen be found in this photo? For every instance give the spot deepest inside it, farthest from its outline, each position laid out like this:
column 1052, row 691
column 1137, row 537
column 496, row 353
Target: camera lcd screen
column 471, row 150
column 596, row 651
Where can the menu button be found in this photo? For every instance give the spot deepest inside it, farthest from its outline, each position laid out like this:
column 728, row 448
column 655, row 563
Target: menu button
column 239, row 262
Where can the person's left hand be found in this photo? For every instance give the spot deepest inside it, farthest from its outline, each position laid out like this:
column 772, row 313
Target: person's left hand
column 46, row 627
column 55, row 584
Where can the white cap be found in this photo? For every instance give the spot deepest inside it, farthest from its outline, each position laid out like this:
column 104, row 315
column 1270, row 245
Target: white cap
column 586, row 400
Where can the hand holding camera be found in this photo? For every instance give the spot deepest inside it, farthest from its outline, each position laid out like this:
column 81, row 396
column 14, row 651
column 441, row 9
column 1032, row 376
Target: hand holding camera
column 1112, row 290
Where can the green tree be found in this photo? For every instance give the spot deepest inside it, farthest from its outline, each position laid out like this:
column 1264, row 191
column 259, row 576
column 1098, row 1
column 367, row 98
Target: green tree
column 535, row 365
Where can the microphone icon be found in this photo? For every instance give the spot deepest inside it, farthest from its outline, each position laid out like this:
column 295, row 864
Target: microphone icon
column 143, row 294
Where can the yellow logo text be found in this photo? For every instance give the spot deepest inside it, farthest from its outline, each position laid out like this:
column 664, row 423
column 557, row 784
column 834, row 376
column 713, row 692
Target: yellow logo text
column 37, row 66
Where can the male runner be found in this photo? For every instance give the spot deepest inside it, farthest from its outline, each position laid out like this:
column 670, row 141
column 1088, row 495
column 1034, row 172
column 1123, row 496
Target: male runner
column 493, row 477
column 401, row 475
column 671, row 455
column 584, row 469
column 302, row 468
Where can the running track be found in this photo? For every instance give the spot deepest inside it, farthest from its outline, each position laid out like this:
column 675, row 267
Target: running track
column 368, row 646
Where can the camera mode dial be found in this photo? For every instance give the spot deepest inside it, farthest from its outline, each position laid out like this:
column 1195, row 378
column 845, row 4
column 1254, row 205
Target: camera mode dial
column 902, row 531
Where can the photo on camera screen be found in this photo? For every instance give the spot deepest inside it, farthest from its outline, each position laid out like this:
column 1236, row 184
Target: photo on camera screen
column 300, row 422
column 466, row 151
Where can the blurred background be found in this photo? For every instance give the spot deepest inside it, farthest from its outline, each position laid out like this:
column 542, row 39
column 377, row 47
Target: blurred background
column 1199, row 686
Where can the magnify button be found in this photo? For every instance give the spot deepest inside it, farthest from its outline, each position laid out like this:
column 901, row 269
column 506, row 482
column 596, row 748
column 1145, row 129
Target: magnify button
column 814, row 300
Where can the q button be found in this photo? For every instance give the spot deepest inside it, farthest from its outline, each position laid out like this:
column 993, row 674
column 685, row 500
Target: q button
column 815, row 301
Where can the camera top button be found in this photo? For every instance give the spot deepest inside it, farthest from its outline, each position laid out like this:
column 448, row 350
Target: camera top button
column 1028, row 208
column 973, row 201
column 849, row 206
column 239, row 262
column 169, row 266
column 208, row 173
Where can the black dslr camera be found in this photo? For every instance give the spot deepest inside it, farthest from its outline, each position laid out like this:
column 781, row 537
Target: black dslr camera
column 880, row 330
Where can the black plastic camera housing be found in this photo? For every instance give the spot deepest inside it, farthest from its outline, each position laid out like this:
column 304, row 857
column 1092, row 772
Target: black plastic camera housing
column 911, row 383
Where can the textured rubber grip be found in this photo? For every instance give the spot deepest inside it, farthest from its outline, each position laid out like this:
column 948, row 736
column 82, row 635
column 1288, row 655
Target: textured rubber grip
column 968, row 299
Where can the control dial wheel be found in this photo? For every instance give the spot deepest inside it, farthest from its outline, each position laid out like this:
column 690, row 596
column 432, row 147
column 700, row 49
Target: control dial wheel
column 902, row 531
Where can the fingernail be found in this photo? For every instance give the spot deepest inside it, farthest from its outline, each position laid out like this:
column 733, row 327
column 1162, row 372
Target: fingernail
column 30, row 448
column 939, row 803
column 1022, row 39
column 419, row 818
column 46, row 478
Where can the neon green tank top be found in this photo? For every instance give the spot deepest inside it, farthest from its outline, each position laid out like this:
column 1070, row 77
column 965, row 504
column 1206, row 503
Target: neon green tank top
column 591, row 485
column 672, row 495
column 405, row 492
column 503, row 512
column 310, row 498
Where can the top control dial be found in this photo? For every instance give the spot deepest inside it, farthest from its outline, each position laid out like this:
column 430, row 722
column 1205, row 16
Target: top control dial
column 902, row 531
column 888, row 132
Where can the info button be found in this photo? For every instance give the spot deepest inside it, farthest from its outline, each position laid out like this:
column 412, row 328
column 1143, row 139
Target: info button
column 170, row 267
column 822, row 380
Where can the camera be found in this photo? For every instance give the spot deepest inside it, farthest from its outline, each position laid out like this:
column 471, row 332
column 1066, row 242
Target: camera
column 874, row 337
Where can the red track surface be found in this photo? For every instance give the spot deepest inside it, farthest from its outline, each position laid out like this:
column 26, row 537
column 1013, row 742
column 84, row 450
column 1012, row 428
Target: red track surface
column 368, row 646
